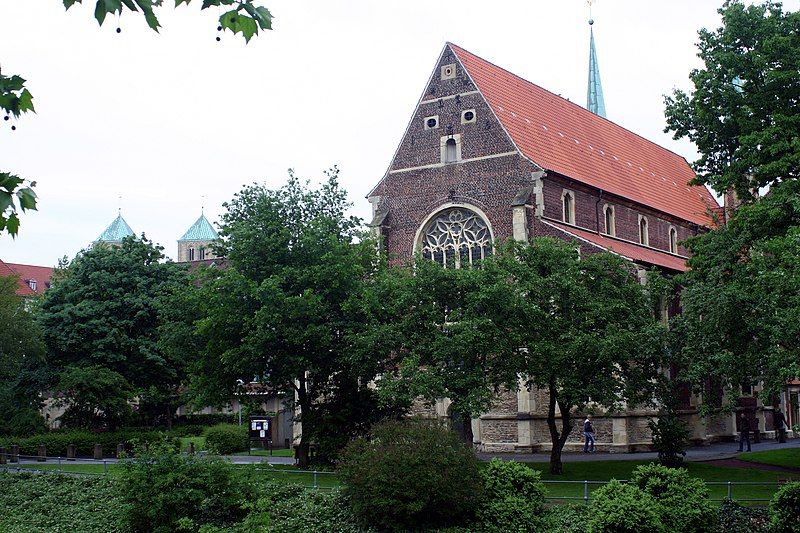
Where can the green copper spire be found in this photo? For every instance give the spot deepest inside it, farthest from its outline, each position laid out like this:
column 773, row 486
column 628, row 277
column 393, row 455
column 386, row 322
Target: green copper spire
column 594, row 96
column 201, row 230
column 116, row 231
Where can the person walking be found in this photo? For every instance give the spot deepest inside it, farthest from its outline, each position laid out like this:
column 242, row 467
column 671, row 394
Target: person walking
column 780, row 426
column 588, row 432
column 744, row 431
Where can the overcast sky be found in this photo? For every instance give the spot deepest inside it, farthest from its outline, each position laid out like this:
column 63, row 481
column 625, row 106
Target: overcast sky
column 166, row 119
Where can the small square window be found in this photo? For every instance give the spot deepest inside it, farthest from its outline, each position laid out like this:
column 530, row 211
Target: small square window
column 468, row 116
column 449, row 71
column 431, row 123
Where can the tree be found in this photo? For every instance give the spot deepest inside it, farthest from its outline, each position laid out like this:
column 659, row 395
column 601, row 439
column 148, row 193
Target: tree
column 585, row 330
column 21, row 352
column 743, row 114
column 100, row 320
column 244, row 17
column 449, row 339
column 285, row 311
column 741, row 303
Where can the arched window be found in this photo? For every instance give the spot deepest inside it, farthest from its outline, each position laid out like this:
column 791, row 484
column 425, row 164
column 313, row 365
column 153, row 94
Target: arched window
column 191, row 254
column 611, row 226
column 456, row 237
column 450, row 151
column 569, row 207
column 202, row 253
column 673, row 240
column 644, row 238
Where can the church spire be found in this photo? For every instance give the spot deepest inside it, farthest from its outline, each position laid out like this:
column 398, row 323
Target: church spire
column 594, row 94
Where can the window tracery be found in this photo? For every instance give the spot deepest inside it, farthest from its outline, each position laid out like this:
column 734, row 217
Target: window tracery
column 456, row 237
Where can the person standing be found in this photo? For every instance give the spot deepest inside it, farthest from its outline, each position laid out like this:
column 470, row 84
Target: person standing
column 588, row 432
column 780, row 426
column 744, row 431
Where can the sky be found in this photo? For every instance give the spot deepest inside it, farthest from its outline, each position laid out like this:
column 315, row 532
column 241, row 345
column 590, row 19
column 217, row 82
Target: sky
column 173, row 122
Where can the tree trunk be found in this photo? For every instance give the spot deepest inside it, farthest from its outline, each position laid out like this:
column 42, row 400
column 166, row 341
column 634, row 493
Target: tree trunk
column 558, row 439
column 303, row 448
column 468, row 436
column 168, row 407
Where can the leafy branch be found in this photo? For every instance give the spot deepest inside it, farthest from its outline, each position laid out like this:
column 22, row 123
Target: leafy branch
column 14, row 194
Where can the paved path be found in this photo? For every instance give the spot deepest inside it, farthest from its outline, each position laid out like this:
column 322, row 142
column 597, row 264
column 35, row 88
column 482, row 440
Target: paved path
column 712, row 452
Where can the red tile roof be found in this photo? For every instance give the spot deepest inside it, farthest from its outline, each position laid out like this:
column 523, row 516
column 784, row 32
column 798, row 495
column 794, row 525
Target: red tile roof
column 566, row 138
column 26, row 273
column 629, row 250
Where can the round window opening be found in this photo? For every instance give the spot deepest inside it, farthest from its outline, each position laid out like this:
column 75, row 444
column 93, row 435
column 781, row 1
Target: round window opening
column 431, row 122
column 469, row 116
column 456, row 238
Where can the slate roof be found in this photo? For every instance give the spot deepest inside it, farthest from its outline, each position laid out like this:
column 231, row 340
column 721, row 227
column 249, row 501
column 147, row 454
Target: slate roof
column 116, row 231
column 563, row 137
column 201, row 230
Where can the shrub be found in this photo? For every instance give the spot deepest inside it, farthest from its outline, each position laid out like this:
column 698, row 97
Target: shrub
column 225, row 439
column 683, row 503
column 735, row 518
column 166, row 491
column 411, row 474
column 297, row 509
column 56, row 442
column 670, row 437
column 784, row 508
column 621, row 508
column 565, row 519
column 513, row 497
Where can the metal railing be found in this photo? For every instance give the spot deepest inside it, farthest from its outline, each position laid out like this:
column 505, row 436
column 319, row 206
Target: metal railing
column 49, row 465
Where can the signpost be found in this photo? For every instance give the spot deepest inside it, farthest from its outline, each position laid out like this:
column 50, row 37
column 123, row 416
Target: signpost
column 261, row 431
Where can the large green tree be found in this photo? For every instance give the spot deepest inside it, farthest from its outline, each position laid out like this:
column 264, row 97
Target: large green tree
column 741, row 303
column 743, row 113
column 286, row 309
column 585, row 328
column 21, row 355
column 100, row 322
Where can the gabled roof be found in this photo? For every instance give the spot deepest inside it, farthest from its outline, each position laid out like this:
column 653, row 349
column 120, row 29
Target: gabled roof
column 563, row 137
column 201, row 230
column 116, row 231
column 27, row 273
column 629, row 250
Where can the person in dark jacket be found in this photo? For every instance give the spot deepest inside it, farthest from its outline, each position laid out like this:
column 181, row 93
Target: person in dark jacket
column 744, row 432
column 588, row 432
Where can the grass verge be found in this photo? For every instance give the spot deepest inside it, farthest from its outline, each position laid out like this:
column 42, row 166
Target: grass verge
column 786, row 457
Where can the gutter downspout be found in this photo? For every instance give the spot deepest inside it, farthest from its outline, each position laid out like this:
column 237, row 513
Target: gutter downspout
column 597, row 212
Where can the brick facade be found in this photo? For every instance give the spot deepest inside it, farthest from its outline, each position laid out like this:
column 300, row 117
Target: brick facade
column 490, row 178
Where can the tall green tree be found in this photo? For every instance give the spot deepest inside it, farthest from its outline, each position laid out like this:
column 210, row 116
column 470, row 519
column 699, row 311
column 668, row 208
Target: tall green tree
column 585, row 328
column 744, row 111
column 100, row 318
column 741, row 304
column 286, row 310
column 21, row 355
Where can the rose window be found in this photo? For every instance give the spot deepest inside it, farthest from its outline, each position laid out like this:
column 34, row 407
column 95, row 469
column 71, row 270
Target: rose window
column 456, row 237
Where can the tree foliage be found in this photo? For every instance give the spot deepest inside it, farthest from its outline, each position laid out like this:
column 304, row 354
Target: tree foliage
column 101, row 316
column 744, row 111
column 741, row 303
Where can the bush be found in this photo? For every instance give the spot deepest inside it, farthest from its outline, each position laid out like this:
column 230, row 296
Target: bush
column 166, row 491
column 565, row 519
column 297, row 509
column 226, row 439
column 411, row 474
column 683, row 504
column 670, row 437
column 784, row 509
column 735, row 518
column 621, row 508
column 513, row 497
column 56, row 442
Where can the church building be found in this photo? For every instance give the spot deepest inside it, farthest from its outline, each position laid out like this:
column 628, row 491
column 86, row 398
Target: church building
column 490, row 156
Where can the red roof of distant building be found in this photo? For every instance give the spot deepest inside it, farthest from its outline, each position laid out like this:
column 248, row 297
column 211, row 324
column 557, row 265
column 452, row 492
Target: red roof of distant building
column 629, row 250
column 566, row 138
column 30, row 276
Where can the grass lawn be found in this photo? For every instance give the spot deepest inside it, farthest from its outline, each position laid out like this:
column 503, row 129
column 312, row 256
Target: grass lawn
column 64, row 467
column 199, row 443
column 787, row 457
column 276, row 452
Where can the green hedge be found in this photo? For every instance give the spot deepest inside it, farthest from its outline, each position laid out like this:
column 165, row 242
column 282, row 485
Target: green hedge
column 56, row 442
column 225, row 439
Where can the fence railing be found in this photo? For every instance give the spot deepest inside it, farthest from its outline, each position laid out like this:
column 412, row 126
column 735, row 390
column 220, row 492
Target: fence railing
column 753, row 492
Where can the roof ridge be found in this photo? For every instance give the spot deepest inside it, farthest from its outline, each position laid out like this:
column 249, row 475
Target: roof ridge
column 580, row 107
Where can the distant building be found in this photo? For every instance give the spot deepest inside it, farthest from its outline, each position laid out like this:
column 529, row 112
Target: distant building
column 195, row 245
column 33, row 279
column 116, row 232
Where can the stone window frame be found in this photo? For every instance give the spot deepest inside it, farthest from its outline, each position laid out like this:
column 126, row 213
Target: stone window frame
column 448, row 72
column 191, row 253
column 612, row 230
column 202, row 253
column 418, row 236
column 464, row 118
column 443, row 148
column 644, row 230
column 568, row 216
column 672, row 239
column 426, row 119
